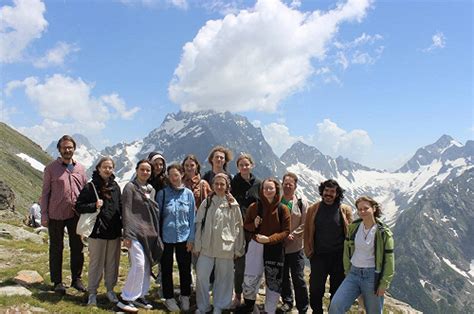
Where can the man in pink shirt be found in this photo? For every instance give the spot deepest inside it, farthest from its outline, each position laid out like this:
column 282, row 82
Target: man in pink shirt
column 63, row 179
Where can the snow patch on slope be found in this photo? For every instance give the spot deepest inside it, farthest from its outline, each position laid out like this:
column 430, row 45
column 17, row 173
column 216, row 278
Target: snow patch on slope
column 33, row 162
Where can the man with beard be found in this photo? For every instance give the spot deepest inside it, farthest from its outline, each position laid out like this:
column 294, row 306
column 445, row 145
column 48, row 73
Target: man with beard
column 324, row 232
column 63, row 179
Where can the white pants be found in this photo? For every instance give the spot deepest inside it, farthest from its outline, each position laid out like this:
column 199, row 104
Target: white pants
column 253, row 277
column 223, row 283
column 138, row 278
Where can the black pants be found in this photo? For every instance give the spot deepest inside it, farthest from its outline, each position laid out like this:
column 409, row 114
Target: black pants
column 184, row 266
column 294, row 262
column 323, row 265
column 56, row 246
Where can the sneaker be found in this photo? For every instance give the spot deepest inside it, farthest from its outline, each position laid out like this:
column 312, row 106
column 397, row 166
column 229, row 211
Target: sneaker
column 60, row 289
column 112, row 296
column 92, row 301
column 184, row 300
column 143, row 303
column 285, row 307
column 78, row 285
column 171, row 305
column 127, row 306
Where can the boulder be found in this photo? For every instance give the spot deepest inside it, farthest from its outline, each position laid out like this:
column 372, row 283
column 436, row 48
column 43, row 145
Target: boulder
column 28, row 277
column 17, row 233
column 7, row 197
column 14, row 290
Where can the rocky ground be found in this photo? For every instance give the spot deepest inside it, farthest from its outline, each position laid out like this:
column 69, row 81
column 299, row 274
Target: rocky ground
column 25, row 286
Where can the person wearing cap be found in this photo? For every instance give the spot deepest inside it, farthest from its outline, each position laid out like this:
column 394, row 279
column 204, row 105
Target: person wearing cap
column 158, row 178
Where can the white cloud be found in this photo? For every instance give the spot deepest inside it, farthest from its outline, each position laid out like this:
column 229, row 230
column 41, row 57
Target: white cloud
column 360, row 50
column 438, row 41
column 182, row 4
column 6, row 112
column 20, row 25
column 120, row 106
column 56, row 56
column 254, row 59
column 66, row 103
column 335, row 141
column 279, row 138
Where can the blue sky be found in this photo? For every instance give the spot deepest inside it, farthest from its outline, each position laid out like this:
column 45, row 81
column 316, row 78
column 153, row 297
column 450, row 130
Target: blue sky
column 368, row 80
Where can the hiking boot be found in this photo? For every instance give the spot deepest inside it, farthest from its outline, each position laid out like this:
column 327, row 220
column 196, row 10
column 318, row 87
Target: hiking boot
column 144, row 304
column 127, row 306
column 171, row 305
column 184, row 300
column 60, row 289
column 78, row 285
column 112, row 296
column 92, row 301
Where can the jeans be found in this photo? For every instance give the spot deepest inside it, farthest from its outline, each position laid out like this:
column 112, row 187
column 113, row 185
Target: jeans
column 56, row 246
column 183, row 258
column 358, row 281
column 323, row 265
column 294, row 262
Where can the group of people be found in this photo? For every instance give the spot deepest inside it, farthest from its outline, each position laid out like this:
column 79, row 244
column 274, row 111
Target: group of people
column 234, row 231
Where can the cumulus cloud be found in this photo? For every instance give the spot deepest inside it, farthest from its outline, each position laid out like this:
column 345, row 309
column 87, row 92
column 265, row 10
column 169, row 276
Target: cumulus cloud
column 56, row 55
column 438, row 41
column 279, row 138
column 21, row 24
column 333, row 140
column 254, row 59
column 67, row 103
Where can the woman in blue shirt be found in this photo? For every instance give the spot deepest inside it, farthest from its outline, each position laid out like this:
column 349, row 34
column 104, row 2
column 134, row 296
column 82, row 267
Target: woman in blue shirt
column 177, row 207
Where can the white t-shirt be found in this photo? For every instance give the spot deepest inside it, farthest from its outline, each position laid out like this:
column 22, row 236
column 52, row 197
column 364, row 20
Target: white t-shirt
column 364, row 256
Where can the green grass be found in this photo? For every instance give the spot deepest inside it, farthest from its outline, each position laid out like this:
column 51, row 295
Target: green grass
column 24, row 180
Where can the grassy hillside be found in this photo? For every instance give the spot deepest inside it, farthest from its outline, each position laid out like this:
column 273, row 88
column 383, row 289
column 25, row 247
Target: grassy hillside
column 24, row 180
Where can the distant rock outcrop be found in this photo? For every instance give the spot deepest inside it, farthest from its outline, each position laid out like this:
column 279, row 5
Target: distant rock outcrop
column 7, row 197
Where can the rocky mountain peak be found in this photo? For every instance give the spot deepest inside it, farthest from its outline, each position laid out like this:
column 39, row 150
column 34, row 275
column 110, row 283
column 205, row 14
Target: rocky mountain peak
column 445, row 148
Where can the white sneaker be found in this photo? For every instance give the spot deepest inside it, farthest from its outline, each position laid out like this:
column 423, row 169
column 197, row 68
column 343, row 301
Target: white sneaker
column 171, row 305
column 127, row 306
column 184, row 300
column 92, row 301
column 112, row 297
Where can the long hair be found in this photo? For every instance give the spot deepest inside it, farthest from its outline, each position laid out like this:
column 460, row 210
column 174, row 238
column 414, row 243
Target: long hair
column 332, row 184
column 196, row 161
column 375, row 205
column 105, row 190
column 228, row 196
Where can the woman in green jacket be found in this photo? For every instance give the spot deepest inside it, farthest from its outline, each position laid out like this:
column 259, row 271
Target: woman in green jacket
column 369, row 261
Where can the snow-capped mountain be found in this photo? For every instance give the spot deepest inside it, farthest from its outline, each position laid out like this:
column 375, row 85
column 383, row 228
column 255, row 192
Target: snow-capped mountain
column 184, row 133
column 395, row 190
column 85, row 152
column 434, row 251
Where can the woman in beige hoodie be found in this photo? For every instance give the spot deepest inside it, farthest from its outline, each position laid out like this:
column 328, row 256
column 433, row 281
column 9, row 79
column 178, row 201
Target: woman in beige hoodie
column 218, row 241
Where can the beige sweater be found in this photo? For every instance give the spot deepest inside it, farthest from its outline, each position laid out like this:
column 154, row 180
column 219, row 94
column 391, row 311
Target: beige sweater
column 222, row 236
column 298, row 217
